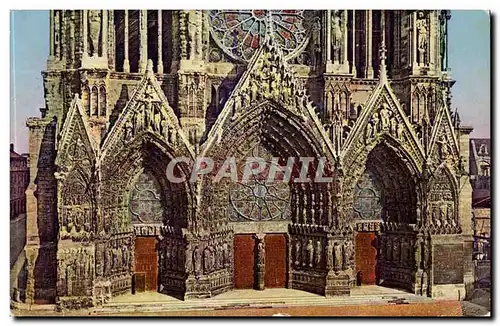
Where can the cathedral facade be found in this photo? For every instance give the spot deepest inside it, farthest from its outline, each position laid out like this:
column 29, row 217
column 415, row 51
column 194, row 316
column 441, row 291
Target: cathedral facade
column 128, row 91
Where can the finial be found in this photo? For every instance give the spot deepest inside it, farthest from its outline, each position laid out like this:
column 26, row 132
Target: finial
column 149, row 67
column 383, row 51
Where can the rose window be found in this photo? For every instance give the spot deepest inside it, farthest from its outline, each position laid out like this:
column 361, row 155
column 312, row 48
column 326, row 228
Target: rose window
column 239, row 33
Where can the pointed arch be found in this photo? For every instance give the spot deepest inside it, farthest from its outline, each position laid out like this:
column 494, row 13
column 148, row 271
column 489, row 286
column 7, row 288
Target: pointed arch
column 119, row 173
column 147, row 112
column 75, row 162
column 368, row 129
column 441, row 214
column 268, row 78
column 284, row 135
column 86, row 99
column 102, row 102
column 94, row 101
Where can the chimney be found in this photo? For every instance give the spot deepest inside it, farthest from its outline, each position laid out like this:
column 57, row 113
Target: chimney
column 11, row 147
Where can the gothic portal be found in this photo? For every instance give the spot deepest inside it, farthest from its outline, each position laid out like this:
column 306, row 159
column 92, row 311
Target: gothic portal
column 127, row 91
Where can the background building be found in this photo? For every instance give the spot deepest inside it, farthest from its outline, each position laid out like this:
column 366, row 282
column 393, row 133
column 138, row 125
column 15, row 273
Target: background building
column 128, row 90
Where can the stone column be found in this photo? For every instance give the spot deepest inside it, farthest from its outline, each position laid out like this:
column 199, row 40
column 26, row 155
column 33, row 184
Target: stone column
column 143, row 40
column 329, row 36
column 346, row 40
column 85, row 33
column 353, row 71
column 126, row 63
column 51, row 34
column 72, row 38
column 369, row 37
column 414, row 40
column 432, row 40
column 261, row 257
column 160, row 41
column 104, row 25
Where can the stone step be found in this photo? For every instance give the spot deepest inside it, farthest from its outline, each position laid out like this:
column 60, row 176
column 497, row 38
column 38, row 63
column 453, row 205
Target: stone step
column 232, row 303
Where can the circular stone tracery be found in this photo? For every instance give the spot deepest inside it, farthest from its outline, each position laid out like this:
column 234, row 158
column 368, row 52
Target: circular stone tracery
column 239, row 33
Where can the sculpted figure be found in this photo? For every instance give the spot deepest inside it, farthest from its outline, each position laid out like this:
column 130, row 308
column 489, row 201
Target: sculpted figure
column 157, row 122
column 388, row 249
column 310, row 253
column 329, row 255
column 369, row 132
column 206, row 260
column 261, row 251
column 348, row 251
column 129, row 129
column 384, row 117
column 375, row 121
column 421, row 25
column 318, row 252
column 297, row 252
column 336, row 34
column 399, row 131
column 197, row 260
column 94, row 27
column 338, row 257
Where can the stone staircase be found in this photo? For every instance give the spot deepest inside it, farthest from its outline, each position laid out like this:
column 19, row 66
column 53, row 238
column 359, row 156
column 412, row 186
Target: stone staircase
column 221, row 302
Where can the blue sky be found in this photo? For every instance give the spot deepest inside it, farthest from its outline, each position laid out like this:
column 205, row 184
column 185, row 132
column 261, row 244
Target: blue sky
column 469, row 49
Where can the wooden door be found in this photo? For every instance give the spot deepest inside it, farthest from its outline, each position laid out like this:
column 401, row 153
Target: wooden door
column 275, row 261
column 244, row 261
column 146, row 263
column 366, row 257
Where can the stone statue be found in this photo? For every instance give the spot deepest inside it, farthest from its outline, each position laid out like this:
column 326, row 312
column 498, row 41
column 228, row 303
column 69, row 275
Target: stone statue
column 375, row 121
column 329, row 255
column 94, row 28
column 261, row 252
column 318, row 253
column 399, row 131
column 297, row 252
column 421, row 25
column 388, row 249
column 384, row 117
column 396, row 250
column 129, row 130
column 197, row 261
column 417, row 250
column 336, row 34
column 369, row 131
column 310, row 253
column 157, row 122
column 347, row 254
column 338, row 257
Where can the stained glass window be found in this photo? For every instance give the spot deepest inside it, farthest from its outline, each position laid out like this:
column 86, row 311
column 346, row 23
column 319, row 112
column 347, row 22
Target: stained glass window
column 367, row 201
column 260, row 199
column 239, row 33
column 145, row 204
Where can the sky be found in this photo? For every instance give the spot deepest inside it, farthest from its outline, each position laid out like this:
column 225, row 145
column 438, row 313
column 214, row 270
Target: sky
column 469, row 60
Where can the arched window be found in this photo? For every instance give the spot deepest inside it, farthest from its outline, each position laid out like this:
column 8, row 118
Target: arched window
column 86, row 100
column 102, row 101
column 94, row 101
